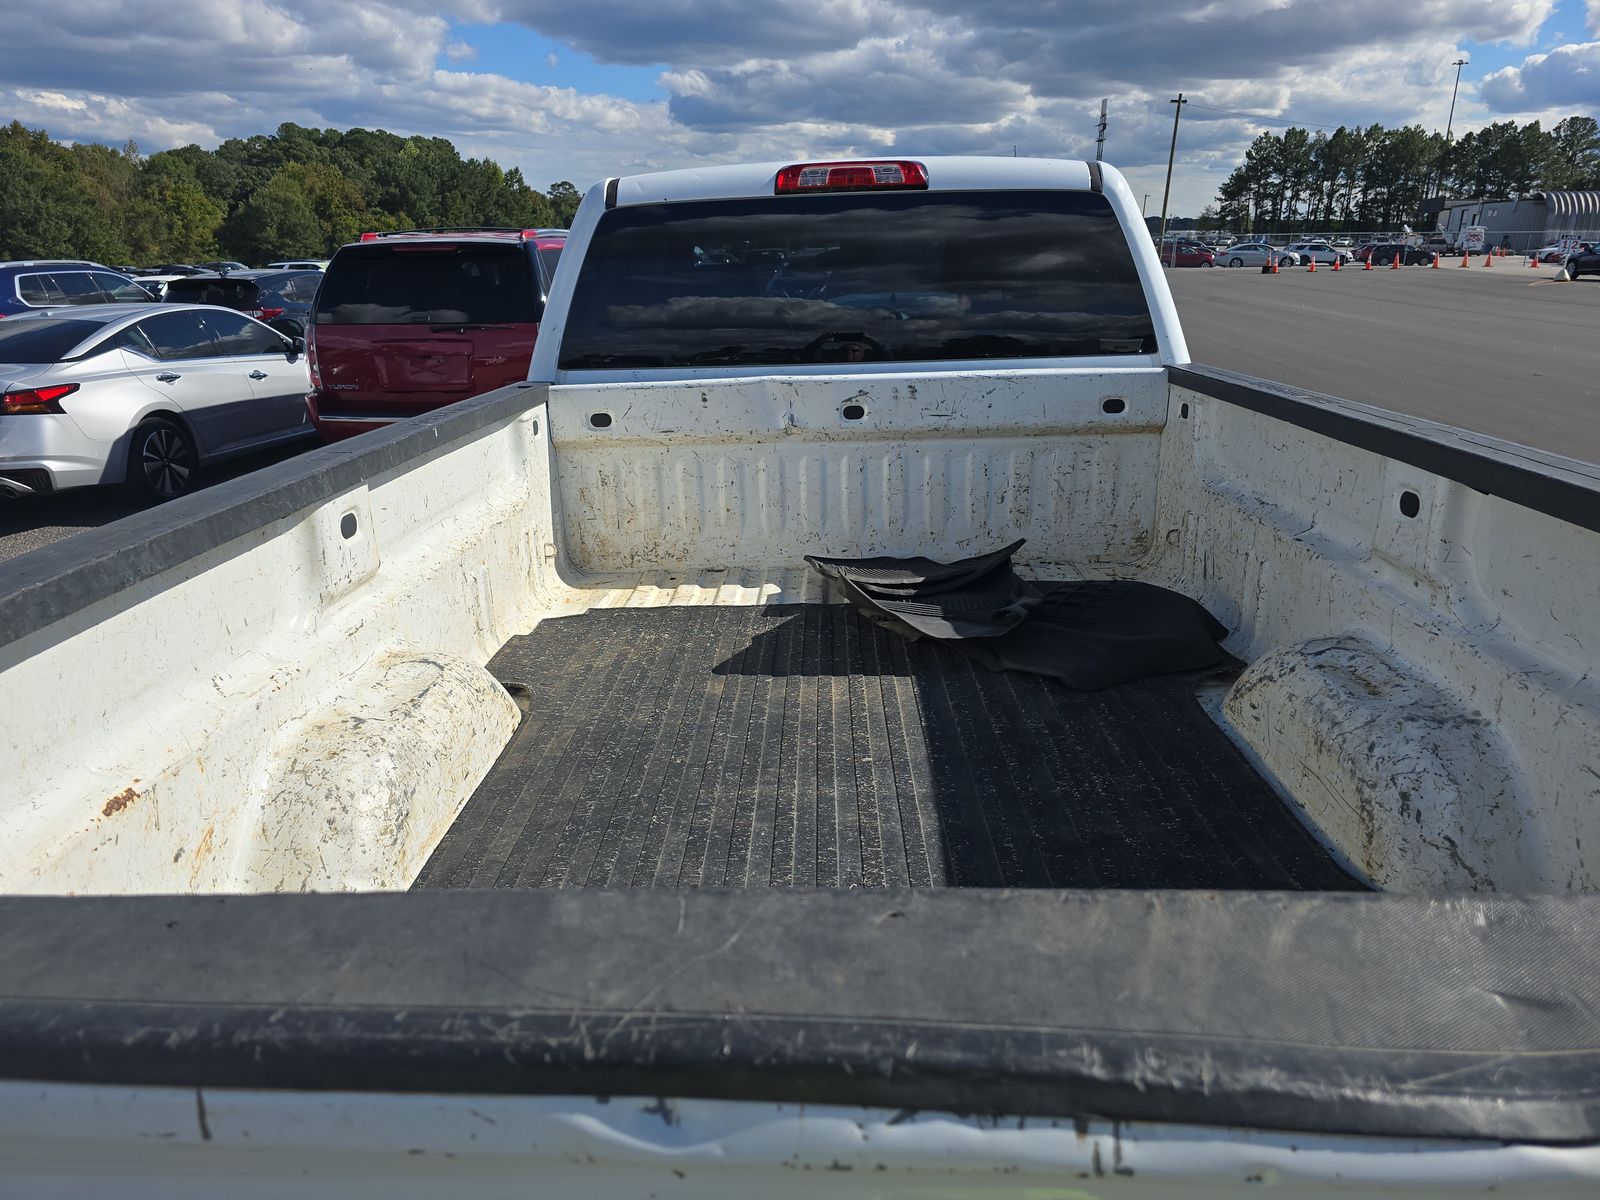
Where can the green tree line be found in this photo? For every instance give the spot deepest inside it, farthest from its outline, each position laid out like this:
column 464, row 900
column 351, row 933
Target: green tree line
column 1378, row 178
column 297, row 193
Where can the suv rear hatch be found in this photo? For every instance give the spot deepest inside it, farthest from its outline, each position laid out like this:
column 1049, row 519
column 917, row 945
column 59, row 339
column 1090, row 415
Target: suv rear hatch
column 402, row 329
column 241, row 295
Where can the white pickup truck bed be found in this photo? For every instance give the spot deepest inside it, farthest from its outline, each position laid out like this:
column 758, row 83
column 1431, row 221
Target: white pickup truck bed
column 365, row 774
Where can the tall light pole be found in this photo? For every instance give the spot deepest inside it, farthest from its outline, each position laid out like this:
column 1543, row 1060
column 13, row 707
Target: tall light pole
column 1172, row 153
column 1438, row 185
column 1458, row 64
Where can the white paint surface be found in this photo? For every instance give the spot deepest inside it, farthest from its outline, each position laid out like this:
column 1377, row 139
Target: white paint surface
column 171, row 1144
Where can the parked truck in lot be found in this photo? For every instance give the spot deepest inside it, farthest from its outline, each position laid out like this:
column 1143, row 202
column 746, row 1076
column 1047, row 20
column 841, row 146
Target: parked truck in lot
column 501, row 800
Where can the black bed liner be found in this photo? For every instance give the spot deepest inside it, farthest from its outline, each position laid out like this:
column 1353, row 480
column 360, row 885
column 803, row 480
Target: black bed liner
column 802, row 745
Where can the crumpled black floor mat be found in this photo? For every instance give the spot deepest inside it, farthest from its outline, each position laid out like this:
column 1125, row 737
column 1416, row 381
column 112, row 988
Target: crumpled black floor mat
column 1089, row 634
column 802, row 745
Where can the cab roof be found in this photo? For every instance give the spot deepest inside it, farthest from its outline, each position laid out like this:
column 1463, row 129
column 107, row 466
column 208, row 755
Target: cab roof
column 945, row 174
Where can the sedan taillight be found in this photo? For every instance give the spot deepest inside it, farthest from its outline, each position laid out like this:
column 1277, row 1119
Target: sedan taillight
column 264, row 314
column 35, row 400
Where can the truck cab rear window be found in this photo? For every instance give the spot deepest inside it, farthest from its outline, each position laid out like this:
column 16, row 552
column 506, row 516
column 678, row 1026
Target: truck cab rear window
column 390, row 285
column 857, row 277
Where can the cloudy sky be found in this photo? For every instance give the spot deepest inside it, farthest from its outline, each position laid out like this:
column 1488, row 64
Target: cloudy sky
column 585, row 88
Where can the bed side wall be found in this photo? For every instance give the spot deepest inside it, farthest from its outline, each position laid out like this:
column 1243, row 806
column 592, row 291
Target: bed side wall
column 1421, row 652
column 303, row 708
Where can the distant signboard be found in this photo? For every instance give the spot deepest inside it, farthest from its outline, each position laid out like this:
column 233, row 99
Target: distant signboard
column 1472, row 239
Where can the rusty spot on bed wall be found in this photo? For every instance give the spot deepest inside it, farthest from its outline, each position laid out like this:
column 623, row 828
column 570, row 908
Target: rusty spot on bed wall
column 119, row 802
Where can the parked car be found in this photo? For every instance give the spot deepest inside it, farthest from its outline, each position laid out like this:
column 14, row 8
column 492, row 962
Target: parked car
column 223, row 267
column 282, row 299
column 156, row 285
column 1255, row 254
column 1383, row 254
column 1557, row 252
column 300, row 264
column 142, row 395
column 1584, row 261
column 26, row 286
column 1323, row 253
column 175, row 269
column 1187, row 254
column 409, row 322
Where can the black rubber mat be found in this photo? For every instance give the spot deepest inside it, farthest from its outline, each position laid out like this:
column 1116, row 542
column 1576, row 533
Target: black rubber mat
column 802, row 745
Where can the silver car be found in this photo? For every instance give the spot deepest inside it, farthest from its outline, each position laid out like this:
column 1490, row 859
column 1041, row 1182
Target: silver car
column 1323, row 252
column 1254, row 254
column 141, row 395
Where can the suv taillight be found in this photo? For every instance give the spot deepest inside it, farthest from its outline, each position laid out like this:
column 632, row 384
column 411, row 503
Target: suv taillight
column 36, row 400
column 311, row 358
column 263, row 314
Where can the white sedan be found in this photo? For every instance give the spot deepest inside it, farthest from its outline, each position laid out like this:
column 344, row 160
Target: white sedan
column 141, row 395
column 1255, row 254
column 1321, row 253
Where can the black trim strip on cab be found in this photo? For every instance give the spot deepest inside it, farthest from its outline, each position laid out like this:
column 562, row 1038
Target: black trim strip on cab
column 1559, row 487
column 611, row 192
column 1096, row 184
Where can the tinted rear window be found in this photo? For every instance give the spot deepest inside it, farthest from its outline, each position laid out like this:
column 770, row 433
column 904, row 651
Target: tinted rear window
column 889, row 276
column 228, row 293
column 405, row 286
column 42, row 341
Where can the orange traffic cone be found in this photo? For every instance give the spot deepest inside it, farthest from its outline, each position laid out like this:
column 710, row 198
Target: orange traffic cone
column 1311, row 264
column 1488, row 259
column 1367, row 261
column 1336, row 264
column 1464, row 261
column 1435, row 264
column 1395, row 265
column 1533, row 261
column 1274, row 264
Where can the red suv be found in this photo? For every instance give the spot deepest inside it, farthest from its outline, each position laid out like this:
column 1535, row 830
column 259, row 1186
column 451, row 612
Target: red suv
column 409, row 322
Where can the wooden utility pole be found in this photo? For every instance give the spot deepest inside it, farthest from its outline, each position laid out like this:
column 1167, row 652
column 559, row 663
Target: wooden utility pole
column 1171, row 154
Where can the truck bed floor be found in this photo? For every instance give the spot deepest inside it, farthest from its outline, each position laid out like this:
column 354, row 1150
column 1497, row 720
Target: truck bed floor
column 802, row 745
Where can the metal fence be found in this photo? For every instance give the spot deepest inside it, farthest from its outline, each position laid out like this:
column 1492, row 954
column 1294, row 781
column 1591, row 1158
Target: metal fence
column 1509, row 241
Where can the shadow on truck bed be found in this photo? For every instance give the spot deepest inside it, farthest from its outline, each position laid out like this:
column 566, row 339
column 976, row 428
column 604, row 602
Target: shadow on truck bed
column 802, row 745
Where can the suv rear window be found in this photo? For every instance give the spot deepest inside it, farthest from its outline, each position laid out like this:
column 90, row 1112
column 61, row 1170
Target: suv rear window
column 42, row 340
column 853, row 277
column 427, row 285
column 228, row 293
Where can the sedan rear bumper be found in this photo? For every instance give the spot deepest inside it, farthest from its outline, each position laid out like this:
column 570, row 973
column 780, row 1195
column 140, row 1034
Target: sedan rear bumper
column 35, row 445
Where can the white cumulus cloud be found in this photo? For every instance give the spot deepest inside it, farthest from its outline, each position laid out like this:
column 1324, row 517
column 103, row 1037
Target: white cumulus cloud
column 785, row 78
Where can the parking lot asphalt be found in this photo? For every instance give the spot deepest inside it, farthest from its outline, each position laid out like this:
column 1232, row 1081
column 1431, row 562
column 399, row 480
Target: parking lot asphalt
column 1503, row 350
